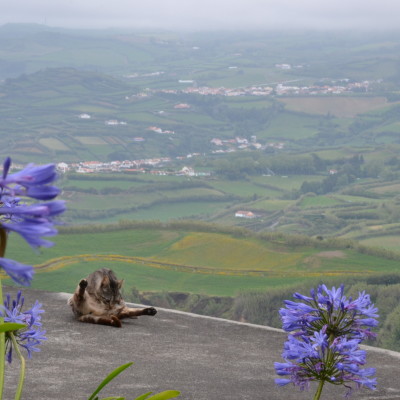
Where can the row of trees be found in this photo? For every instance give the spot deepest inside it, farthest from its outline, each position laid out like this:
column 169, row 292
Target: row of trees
column 239, row 165
column 262, row 308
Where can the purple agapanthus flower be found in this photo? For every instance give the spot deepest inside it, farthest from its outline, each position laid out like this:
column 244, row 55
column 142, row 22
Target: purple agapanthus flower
column 31, row 336
column 32, row 221
column 326, row 331
column 20, row 273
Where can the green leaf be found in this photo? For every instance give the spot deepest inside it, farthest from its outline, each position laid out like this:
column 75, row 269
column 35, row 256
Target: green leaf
column 11, row 326
column 109, row 378
column 168, row 394
column 113, row 398
column 144, row 396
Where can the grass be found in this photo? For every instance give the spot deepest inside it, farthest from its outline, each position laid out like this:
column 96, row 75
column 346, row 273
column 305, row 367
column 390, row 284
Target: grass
column 389, row 189
column 272, row 204
column 290, row 126
column 338, row 106
column 356, row 199
column 249, row 102
column 148, row 279
column 319, row 201
column 239, row 188
column 53, row 144
column 83, row 201
column 103, row 184
column 90, row 140
column 390, row 242
column 291, row 182
column 196, row 262
column 170, row 211
column 224, row 252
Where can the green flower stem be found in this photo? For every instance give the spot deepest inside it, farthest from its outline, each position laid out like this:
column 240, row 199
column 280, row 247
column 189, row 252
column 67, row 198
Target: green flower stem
column 319, row 390
column 3, row 244
column 328, row 362
column 18, row 393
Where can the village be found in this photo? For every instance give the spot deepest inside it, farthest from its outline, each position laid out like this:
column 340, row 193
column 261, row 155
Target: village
column 280, row 89
column 328, row 86
column 156, row 166
column 153, row 166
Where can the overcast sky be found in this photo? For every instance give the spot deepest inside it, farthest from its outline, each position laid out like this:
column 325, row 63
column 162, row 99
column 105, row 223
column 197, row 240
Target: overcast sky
column 205, row 14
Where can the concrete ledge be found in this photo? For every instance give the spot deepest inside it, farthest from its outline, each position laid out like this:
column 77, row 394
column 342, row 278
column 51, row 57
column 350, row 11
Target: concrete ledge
column 203, row 357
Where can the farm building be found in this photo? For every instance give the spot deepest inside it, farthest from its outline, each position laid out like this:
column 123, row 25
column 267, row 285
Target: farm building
column 245, row 214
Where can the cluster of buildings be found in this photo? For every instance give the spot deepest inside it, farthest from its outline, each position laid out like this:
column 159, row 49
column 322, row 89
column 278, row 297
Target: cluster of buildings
column 344, row 87
column 110, row 122
column 114, row 122
column 159, row 130
column 85, row 167
column 242, row 143
column 257, row 90
column 246, row 214
column 147, row 75
column 149, row 165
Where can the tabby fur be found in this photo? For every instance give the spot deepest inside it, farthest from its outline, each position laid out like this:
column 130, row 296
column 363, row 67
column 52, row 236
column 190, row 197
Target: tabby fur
column 98, row 300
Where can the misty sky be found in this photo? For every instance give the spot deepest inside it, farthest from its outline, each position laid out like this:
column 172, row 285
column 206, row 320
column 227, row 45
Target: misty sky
column 206, row 14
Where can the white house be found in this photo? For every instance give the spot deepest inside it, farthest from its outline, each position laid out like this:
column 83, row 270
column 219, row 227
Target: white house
column 245, row 214
column 62, row 167
column 187, row 171
column 112, row 122
column 84, row 116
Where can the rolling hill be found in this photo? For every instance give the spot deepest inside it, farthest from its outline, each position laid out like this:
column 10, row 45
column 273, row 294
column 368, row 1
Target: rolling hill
column 203, row 259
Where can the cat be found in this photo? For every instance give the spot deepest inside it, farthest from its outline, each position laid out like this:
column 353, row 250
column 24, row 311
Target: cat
column 98, row 300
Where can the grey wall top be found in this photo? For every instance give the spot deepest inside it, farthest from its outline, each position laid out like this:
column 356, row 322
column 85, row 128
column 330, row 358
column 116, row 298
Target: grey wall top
column 204, row 358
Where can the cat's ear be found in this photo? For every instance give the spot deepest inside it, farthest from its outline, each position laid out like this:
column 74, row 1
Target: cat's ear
column 120, row 283
column 105, row 281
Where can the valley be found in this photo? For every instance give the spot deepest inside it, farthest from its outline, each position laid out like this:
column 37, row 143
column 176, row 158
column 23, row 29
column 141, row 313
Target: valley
column 214, row 173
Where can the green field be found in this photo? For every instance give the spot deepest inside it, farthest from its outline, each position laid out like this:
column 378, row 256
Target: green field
column 391, row 242
column 276, row 200
column 192, row 261
column 319, row 201
column 297, row 145
column 337, row 106
column 43, row 104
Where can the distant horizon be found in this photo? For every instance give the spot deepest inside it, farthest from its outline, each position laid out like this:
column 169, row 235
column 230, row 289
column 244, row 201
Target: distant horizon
column 207, row 15
column 202, row 30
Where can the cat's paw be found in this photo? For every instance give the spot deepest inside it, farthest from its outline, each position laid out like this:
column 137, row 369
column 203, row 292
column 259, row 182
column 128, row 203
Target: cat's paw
column 83, row 284
column 115, row 321
column 150, row 311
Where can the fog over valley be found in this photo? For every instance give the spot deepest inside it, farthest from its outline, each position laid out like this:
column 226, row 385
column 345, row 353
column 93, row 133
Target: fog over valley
column 207, row 14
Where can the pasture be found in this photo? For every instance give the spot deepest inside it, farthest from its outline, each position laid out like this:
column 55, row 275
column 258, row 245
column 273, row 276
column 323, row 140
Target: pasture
column 290, row 126
column 191, row 261
column 390, row 242
column 319, row 201
column 343, row 106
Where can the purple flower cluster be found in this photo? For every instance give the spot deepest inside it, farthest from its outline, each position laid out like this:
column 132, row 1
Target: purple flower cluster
column 31, row 336
column 31, row 220
column 326, row 331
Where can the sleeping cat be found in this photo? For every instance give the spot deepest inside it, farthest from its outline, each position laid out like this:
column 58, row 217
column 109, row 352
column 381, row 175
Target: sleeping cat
column 98, row 300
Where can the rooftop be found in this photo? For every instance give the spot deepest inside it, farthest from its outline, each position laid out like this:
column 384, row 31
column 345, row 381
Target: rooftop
column 204, row 358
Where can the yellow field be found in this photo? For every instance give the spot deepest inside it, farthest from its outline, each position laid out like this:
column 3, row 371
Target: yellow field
column 228, row 253
column 338, row 106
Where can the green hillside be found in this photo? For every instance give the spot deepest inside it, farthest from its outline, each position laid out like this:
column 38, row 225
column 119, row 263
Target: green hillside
column 323, row 164
column 202, row 260
column 52, row 76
